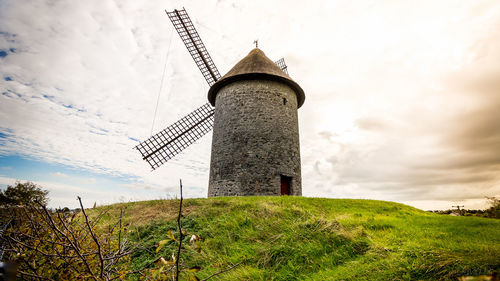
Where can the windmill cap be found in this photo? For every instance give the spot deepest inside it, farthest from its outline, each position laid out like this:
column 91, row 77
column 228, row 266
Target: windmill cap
column 255, row 66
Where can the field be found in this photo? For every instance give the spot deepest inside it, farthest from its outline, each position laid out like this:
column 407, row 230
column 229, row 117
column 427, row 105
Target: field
column 297, row 238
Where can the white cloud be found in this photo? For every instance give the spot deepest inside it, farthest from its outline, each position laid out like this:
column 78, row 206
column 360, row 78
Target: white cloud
column 85, row 77
column 62, row 195
column 65, row 194
column 59, row 174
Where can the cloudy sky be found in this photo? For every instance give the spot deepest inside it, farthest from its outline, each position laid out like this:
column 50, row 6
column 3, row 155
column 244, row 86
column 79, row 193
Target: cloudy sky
column 402, row 97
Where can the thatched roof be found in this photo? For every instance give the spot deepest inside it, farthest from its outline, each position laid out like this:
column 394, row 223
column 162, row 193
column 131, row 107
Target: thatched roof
column 256, row 66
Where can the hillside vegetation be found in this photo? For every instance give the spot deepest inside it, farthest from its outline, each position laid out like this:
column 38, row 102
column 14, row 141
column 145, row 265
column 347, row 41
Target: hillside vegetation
column 297, row 238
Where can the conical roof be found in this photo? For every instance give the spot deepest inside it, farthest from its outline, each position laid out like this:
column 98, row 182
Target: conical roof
column 256, row 66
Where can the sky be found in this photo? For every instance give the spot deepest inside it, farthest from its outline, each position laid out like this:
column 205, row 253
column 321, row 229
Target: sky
column 402, row 97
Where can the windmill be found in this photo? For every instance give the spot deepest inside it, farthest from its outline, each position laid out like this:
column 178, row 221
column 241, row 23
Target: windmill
column 166, row 144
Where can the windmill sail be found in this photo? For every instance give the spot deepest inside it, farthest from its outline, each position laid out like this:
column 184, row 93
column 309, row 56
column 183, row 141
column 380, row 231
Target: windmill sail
column 282, row 65
column 169, row 142
column 195, row 46
column 163, row 146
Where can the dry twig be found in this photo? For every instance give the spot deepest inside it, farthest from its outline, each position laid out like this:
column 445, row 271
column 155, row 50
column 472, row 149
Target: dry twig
column 225, row 270
column 94, row 237
column 181, row 236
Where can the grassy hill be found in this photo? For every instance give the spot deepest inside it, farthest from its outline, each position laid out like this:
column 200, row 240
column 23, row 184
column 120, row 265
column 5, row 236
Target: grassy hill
column 296, row 238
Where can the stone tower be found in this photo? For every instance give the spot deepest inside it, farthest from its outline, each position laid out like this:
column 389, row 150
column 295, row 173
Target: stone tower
column 255, row 144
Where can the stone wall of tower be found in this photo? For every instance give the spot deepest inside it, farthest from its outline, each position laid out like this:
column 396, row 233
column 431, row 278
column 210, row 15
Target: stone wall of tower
column 255, row 140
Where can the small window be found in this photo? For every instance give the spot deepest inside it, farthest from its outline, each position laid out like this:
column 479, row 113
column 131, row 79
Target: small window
column 284, row 101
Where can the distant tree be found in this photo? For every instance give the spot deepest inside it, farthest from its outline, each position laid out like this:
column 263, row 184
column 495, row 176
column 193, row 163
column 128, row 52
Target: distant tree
column 23, row 194
column 494, row 210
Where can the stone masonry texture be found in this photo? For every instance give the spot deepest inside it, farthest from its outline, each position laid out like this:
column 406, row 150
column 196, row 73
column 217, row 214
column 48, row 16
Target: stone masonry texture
column 255, row 139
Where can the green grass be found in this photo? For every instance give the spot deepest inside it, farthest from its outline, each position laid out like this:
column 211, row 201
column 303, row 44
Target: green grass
column 297, row 238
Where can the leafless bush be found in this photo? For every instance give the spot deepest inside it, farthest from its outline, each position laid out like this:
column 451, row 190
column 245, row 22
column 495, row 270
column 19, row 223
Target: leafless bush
column 57, row 245
column 75, row 245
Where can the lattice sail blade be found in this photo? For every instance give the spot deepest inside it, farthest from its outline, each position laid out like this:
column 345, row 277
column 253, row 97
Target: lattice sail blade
column 195, row 46
column 163, row 146
column 282, row 65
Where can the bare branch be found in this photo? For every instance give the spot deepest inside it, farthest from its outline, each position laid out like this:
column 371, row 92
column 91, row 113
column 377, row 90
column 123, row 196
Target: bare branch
column 181, row 236
column 63, row 235
column 94, row 237
column 225, row 270
column 120, row 232
column 71, row 248
column 33, row 275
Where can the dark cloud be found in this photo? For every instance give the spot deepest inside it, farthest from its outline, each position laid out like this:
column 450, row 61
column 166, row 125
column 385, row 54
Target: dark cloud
column 477, row 136
column 448, row 154
column 371, row 124
column 471, row 136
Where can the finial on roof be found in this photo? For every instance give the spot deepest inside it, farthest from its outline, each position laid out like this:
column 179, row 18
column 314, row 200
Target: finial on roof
column 256, row 42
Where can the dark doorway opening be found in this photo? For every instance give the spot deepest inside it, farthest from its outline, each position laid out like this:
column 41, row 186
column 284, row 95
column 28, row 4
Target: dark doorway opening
column 286, row 184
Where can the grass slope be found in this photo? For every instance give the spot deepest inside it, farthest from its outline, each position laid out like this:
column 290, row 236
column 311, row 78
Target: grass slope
column 297, row 238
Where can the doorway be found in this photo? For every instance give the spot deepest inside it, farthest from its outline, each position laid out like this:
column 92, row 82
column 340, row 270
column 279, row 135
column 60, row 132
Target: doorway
column 286, row 183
